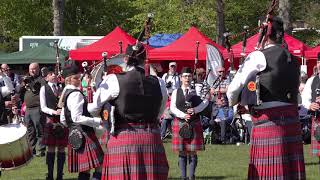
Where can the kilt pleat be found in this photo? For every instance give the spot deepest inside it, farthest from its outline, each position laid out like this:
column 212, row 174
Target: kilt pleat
column 48, row 136
column 315, row 145
column 183, row 144
column 89, row 157
column 135, row 154
column 276, row 150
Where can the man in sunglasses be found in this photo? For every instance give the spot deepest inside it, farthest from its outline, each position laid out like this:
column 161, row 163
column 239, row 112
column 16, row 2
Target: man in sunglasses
column 223, row 113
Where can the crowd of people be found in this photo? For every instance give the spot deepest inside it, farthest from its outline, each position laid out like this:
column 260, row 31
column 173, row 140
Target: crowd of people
column 136, row 112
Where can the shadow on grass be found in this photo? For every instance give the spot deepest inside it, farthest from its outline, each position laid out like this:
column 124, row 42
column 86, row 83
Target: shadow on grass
column 204, row 178
column 311, row 163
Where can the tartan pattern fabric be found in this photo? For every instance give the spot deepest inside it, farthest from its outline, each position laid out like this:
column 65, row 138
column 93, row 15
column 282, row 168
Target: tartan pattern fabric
column 315, row 145
column 276, row 150
column 48, row 137
column 183, row 144
column 88, row 157
column 135, row 154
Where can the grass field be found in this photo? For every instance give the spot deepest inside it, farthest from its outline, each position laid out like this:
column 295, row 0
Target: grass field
column 217, row 162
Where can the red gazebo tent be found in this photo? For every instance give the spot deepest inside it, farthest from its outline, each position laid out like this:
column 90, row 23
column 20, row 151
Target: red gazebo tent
column 109, row 44
column 184, row 48
column 295, row 46
column 312, row 53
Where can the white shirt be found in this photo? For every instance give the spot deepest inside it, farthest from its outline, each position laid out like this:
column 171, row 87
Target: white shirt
column 6, row 86
column 306, row 93
column 255, row 62
column 180, row 114
column 75, row 103
column 43, row 102
column 174, row 79
column 109, row 89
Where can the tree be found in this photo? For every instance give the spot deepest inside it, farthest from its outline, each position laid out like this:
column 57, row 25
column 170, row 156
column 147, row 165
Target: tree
column 220, row 21
column 284, row 13
column 58, row 9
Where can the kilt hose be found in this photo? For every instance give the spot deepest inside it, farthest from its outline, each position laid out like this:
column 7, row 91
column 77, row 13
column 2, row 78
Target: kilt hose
column 276, row 150
column 315, row 145
column 48, row 134
column 88, row 157
column 135, row 154
column 183, row 144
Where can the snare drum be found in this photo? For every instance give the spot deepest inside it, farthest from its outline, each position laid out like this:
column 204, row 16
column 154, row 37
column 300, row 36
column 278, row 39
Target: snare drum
column 15, row 150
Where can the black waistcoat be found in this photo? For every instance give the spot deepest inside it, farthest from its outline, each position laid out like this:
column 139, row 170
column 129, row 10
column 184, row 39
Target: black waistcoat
column 314, row 86
column 280, row 80
column 85, row 111
column 140, row 98
column 181, row 100
column 51, row 99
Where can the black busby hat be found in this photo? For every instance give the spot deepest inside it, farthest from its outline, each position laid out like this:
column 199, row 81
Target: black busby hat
column 136, row 53
column 277, row 30
column 186, row 70
column 69, row 70
column 50, row 69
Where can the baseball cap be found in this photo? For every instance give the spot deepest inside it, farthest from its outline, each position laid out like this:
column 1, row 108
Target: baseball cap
column 172, row 64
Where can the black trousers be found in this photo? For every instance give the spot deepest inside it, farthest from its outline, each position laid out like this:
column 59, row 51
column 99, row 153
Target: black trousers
column 35, row 122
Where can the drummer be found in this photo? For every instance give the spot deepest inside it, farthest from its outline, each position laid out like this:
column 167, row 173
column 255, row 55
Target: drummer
column 55, row 134
column 6, row 88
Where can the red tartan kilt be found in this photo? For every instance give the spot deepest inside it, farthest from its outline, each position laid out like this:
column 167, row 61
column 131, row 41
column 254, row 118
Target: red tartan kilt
column 49, row 139
column 89, row 157
column 315, row 145
column 181, row 144
column 276, row 149
column 136, row 154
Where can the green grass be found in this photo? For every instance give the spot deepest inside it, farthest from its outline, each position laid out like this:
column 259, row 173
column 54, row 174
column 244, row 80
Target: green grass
column 216, row 162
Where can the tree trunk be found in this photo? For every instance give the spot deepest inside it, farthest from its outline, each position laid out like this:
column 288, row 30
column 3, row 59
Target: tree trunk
column 220, row 26
column 58, row 9
column 284, row 13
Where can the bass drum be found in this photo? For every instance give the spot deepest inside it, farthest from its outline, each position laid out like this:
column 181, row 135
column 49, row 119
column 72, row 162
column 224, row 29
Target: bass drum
column 114, row 65
column 15, row 150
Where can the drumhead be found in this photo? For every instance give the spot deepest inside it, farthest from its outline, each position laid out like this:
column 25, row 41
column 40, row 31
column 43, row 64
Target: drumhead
column 11, row 132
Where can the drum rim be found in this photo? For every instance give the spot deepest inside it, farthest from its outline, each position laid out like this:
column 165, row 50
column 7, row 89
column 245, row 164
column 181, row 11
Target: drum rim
column 17, row 167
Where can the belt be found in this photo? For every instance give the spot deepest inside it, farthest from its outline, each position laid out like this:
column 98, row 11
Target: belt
column 138, row 125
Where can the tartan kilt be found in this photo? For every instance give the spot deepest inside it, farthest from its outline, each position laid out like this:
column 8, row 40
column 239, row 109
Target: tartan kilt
column 276, row 150
column 315, row 145
column 135, row 154
column 182, row 144
column 48, row 137
column 88, row 157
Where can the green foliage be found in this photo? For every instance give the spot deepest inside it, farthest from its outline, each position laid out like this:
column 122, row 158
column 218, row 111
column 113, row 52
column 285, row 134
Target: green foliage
column 174, row 16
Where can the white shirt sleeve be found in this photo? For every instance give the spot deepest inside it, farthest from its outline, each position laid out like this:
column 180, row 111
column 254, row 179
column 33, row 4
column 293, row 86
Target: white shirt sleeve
column 306, row 93
column 63, row 118
column 43, row 102
column 8, row 86
column 109, row 89
column 75, row 103
column 173, row 106
column 255, row 62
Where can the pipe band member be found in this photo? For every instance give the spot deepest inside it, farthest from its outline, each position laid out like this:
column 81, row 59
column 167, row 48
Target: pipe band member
column 135, row 151
column 311, row 101
column 75, row 114
column 268, row 82
column 187, row 147
column 55, row 134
